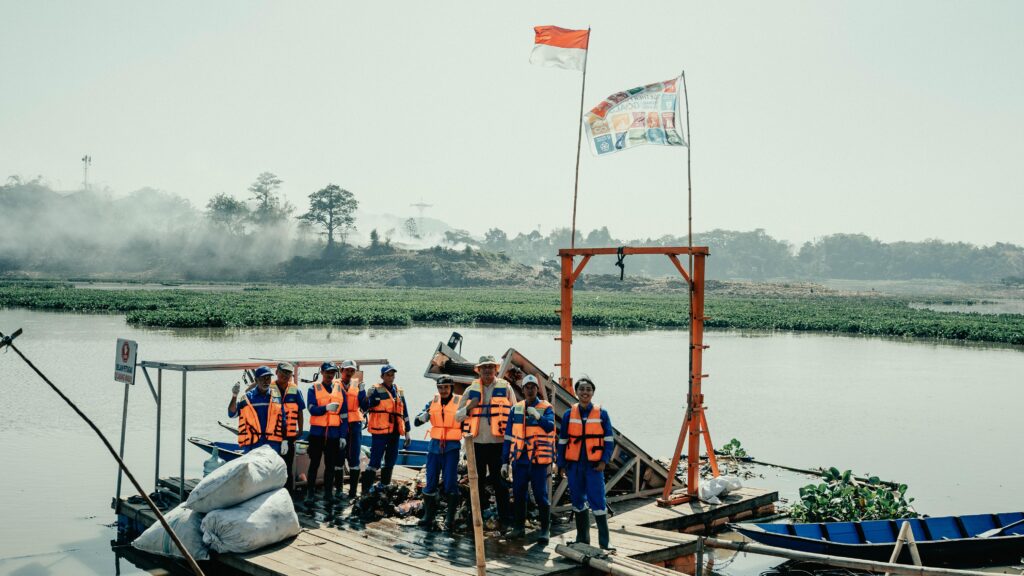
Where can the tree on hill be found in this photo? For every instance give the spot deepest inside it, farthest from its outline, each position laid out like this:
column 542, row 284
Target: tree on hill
column 270, row 208
column 229, row 212
column 333, row 208
column 411, row 229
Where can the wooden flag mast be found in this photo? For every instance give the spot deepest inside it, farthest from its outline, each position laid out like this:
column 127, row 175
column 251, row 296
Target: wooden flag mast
column 695, row 426
column 579, row 141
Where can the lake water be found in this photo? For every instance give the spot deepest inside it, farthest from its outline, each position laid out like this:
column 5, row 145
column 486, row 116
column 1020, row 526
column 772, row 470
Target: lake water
column 942, row 418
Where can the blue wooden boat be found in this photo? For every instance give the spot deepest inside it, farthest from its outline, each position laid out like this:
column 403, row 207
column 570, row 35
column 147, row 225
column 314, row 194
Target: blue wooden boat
column 413, row 457
column 941, row 541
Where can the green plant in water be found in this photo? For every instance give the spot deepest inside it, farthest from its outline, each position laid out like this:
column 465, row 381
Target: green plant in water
column 733, row 448
column 843, row 498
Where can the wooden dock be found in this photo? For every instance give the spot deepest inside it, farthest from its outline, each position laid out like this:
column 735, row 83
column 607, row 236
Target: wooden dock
column 640, row 529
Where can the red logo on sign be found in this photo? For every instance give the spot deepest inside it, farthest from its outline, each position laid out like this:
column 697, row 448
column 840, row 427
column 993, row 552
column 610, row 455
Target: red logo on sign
column 125, row 352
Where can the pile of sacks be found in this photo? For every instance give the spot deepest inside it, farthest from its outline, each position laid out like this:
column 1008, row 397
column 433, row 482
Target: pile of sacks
column 239, row 507
column 712, row 488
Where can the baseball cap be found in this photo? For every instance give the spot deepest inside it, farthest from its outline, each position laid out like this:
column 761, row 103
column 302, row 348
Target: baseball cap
column 348, row 364
column 328, row 367
column 261, row 372
column 530, row 379
column 387, row 368
column 286, row 367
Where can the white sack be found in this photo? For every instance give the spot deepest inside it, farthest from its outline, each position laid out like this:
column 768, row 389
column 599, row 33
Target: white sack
column 730, row 483
column 264, row 520
column 255, row 473
column 186, row 524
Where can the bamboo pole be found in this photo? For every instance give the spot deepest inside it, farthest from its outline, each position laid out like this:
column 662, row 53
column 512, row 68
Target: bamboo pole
column 869, row 565
column 607, row 564
column 474, row 503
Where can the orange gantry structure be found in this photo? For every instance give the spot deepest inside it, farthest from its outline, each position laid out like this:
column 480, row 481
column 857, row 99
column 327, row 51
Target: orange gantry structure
column 695, row 424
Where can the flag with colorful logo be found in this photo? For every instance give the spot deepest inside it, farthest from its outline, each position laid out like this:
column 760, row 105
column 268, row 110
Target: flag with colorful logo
column 644, row 115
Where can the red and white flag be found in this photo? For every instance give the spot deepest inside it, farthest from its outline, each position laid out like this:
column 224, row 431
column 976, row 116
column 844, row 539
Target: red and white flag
column 560, row 48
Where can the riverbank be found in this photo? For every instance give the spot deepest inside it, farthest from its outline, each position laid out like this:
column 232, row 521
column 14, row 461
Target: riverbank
column 773, row 308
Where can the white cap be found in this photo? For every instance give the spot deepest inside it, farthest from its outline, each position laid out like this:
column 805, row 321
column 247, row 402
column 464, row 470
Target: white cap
column 348, row 364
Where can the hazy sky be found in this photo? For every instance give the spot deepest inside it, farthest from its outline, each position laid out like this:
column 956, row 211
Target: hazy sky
column 902, row 120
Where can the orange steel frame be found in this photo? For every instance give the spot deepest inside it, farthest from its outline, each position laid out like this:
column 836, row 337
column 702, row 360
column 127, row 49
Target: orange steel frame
column 695, row 424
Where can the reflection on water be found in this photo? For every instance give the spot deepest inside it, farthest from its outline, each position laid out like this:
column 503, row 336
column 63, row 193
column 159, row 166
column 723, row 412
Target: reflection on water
column 983, row 307
column 928, row 414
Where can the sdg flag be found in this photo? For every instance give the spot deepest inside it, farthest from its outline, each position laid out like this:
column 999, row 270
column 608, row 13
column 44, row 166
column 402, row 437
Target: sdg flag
column 644, row 115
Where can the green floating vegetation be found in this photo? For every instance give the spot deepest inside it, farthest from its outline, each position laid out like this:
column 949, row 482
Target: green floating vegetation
column 308, row 306
column 842, row 498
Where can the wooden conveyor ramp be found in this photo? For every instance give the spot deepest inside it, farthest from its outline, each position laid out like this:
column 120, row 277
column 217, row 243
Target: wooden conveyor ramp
column 632, row 472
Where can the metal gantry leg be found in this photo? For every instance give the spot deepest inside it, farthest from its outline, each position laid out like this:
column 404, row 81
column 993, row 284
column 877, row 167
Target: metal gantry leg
column 124, row 424
column 159, row 402
column 181, row 486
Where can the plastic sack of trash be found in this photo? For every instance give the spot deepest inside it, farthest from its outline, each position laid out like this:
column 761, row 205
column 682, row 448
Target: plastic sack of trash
column 709, row 490
column 264, row 520
column 186, row 524
column 729, row 484
column 255, row 473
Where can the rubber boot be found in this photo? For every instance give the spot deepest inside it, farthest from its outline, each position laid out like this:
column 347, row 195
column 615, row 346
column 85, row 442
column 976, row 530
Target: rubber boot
column 449, row 515
column 368, row 478
column 518, row 522
column 602, row 532
column 545, row 524
column 429, row 512
column 583, row 527
column 329, row 500
column 310, row 501
column 385, row 475
column 353, row 483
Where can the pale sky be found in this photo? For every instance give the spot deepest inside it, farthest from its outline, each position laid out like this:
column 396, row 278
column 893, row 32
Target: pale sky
column 901, row 120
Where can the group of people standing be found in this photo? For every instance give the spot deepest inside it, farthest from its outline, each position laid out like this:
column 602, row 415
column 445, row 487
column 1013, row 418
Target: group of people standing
column 513, row 440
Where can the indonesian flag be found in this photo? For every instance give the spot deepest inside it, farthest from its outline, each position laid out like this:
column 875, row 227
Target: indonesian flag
column 560, row 48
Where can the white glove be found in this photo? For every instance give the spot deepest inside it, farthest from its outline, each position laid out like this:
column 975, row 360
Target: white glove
column 284, row 448
column 235, row 389
column 332, row 407
column 362, row 386
column 506, row 471
column 423, row 419
column 343, row 443
column 533, row 413
column 460, row 414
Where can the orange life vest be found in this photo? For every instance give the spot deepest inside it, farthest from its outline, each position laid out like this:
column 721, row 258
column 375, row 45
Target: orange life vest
column 352, row 397
column 291, row 412
column 443, row 426
column 384, row 415
column 588, row 434
column 538, row 445
column 249, row 429
column 498, row 408
column 323, row 398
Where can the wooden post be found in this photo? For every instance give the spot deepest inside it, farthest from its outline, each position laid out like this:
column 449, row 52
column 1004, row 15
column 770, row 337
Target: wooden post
column 474, row 503
column 565, row 333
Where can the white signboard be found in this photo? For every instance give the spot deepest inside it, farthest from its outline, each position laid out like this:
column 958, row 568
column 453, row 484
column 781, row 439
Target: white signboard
column 124, row 361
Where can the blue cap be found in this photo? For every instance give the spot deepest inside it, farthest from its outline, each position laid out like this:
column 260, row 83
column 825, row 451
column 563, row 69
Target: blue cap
column 387, row 368
column 328, row 367
column 261, row 372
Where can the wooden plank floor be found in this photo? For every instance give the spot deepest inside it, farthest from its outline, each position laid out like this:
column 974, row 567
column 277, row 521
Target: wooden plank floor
column 640, row 529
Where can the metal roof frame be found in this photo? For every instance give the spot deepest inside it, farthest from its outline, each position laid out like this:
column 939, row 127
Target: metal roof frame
column 213, row 365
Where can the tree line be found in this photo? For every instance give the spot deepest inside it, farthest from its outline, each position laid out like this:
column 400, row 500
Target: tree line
column 755, row 255
column 157, row 234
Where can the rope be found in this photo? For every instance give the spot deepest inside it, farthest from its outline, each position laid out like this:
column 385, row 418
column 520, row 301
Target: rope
column 8, row 341
column 621, row 262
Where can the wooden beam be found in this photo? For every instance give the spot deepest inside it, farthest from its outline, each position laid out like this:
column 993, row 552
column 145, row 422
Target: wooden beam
column 628, row 250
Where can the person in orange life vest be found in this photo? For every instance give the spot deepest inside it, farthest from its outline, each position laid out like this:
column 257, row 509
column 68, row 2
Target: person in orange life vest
column 530, row 448
column 260, row 406
column 355, row 403
column 388, row 421
column 585, row 443
column 292, row 406
column 328, row 430
column 484, row 409
column 443, row 453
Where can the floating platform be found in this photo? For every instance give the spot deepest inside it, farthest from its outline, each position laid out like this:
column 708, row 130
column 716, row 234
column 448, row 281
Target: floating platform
column 640, row 529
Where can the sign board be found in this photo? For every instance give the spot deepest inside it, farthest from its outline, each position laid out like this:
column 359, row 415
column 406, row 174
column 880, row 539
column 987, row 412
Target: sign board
column 124, row 361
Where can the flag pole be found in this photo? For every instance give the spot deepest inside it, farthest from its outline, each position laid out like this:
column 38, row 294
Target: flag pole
column 689, row 235
column 579, row 141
